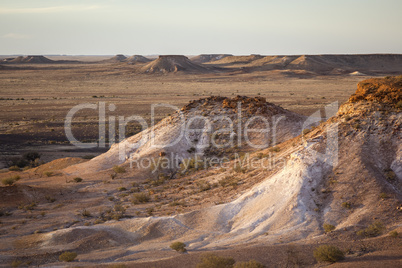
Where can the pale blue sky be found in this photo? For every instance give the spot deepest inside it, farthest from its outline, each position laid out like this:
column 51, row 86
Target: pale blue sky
column 194, row 27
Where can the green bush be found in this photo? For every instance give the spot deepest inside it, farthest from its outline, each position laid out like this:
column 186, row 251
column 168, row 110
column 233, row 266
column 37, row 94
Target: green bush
column 31, row 156
column 11, row 180
column 16, row 263
column 374, row 229
column 48, row 173
column 119, row 169
column 390, row 175
column 203, row 186
column 347, row 205
column 14, row 168
column 249, row 264
column 275, row 149
column 327, row 253
column 140, row 198
column 384, row 196
column 213, row 261
column 178, row 246
column 394, row 234
column 67, row 256
column 328, row 227
column 77, row 179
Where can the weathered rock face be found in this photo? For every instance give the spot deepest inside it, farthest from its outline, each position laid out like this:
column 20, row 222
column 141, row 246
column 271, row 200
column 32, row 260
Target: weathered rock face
column 384, row 90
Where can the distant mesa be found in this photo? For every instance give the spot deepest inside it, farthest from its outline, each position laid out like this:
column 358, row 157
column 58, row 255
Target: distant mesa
column 331, row 64
column 172, row 64
column 237, row 59
column 209, row 57
column 117, row 58
column 28, row 59
column 137, row 59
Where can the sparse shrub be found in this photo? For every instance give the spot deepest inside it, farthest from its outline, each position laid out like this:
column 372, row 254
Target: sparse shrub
column 305, row 131
column 121, row 189
column 11, row 180
column 157, row 182
column 275, row 149
column 260, row 155
column 374, row 229
column 390, row 175
column 7, row 181
column 14, row 168
column 249, row 264
column 399, row 105
column 178, row 246
column 328, row 227
column 31, row 156
column 213, row 261
column 176, row 203
column 48, row 173
column 135, row 190
column 77, row 179
column 16, row 263
column 203, row 186
column 229, row 181
column 85, row 213
column 239, row 169
column 327, row 253
column 394, row 234
column 384, row 196
column 50, row 199
column 294, row 256
column 27, row 207
column 67, row 256
column 140, row 198
column 119, row 169
column 98, row 221
column 150, row 210
column 347, row 205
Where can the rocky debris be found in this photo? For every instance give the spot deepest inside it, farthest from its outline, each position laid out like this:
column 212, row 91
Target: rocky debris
column 383, row 90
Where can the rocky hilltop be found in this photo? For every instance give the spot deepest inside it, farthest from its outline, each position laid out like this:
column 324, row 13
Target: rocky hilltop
column 386, row 91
